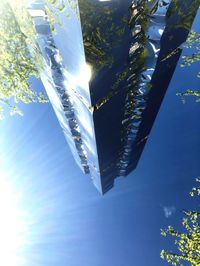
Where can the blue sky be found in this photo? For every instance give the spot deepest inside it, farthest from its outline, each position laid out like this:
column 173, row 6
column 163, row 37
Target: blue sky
column 68, row 222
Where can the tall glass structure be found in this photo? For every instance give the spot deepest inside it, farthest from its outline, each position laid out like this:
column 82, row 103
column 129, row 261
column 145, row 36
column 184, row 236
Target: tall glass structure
column 107, row 68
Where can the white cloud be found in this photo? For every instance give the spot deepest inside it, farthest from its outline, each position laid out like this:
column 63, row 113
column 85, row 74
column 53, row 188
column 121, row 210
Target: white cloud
column 169, row 211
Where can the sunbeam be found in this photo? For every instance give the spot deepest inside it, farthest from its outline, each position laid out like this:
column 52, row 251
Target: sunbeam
column 11, row 225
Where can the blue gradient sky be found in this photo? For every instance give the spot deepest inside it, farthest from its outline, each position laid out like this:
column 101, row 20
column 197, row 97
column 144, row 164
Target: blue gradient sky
column 69, row 223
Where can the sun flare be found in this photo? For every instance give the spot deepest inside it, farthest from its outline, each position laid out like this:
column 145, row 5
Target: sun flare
column 11, row 225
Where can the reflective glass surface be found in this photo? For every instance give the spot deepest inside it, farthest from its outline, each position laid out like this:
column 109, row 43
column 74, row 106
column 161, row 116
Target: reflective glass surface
column 108, row 66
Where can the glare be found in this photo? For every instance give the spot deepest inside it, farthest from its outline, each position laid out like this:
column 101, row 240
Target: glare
column 82, row 78
column 37, row 13
column 160, row 31
column 11, row 225
column 86, row 73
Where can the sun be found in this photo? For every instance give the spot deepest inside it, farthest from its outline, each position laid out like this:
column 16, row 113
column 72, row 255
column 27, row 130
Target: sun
column 11, row 225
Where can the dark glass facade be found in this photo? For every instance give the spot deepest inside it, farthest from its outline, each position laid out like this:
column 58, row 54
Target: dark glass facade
column 107, row 69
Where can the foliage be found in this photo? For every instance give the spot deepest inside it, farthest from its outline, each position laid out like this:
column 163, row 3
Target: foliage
column 53, row 8
column 189, row 93
column 100, row 32
column 187, row 242
column 196, row 190
column 184, row 15
column 20, row 59
column 20, row 55
column 193, row 42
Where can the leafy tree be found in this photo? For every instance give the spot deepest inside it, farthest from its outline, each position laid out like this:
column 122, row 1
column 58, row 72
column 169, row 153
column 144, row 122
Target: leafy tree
column 20, row 56
column 189, row 93
column 193, row 42
column 187, row 242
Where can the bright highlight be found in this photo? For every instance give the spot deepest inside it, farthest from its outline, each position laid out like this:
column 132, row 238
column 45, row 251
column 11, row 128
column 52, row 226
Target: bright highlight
column 86, row 73
column 11, row 225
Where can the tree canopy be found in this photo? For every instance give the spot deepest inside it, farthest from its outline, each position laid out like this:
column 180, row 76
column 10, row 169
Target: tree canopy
column 193, row 42
column 188, row 241
column 20, row 56
column 17, row 62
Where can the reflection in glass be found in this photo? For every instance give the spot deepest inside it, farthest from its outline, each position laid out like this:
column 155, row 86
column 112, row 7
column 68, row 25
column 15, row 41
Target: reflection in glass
column 107, row 69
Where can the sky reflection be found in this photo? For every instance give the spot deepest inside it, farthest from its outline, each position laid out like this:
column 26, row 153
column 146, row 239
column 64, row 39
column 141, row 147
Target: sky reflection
column 66, row 221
